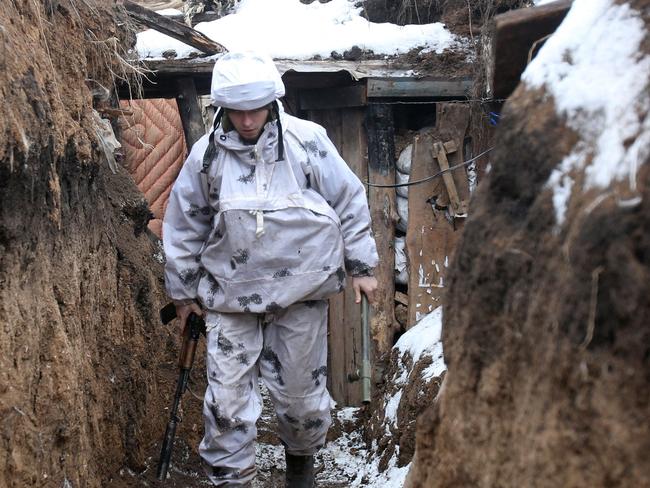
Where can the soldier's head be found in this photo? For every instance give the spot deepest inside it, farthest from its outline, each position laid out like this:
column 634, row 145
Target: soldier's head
column 246, row 85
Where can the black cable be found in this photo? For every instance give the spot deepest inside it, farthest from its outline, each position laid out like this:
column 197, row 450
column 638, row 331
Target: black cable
column 439, row 173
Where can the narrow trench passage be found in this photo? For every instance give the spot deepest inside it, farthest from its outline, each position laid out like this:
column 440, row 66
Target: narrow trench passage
column 339, row 464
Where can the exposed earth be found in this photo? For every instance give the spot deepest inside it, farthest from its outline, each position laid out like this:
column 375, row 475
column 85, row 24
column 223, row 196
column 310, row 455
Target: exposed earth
column 546, row 334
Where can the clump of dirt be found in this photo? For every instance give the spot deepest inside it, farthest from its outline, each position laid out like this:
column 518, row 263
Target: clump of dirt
column 397, row 403
column 461, row 17
column 450, row 64
column 546, row 333
column 80, row 280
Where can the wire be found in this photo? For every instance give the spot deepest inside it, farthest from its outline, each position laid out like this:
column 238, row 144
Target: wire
column 428, row 178
column 483, row 101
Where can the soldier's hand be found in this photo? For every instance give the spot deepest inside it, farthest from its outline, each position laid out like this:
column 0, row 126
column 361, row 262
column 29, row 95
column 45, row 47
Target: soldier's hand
column 365, row 284
column 183, row 311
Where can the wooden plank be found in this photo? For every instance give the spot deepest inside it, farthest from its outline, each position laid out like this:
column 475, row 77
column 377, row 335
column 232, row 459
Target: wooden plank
column 431, row 238
column 511, row 36
column 440, row 152
column 381, row 170
column 178, row 31
column 190, row 111
column 180, row 66
column 329, row 98
column 407, row 87
column 353, row 148
column 344, row 343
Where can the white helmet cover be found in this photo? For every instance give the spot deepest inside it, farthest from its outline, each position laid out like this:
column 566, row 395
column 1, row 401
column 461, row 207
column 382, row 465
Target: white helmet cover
column 245, row 81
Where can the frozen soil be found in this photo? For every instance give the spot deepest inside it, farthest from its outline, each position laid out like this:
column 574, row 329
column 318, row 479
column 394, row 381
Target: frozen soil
column 546, row 334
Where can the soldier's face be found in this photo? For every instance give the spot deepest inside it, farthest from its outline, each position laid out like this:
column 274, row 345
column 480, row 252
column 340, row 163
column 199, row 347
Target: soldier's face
column 249, row 123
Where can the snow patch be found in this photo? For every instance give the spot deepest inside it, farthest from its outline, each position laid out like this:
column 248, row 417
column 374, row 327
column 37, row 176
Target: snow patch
column 425, row 337
column 289, row 29
column 392, row 477
column 169, row 12
column 598, row 75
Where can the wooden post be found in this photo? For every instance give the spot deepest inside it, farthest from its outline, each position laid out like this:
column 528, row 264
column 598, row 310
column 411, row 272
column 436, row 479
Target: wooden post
column 190, row 111
column 381, row 170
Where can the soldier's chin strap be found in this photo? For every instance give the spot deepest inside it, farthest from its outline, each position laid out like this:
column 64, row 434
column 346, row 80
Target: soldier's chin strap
column 276, row 112
column 210, row 151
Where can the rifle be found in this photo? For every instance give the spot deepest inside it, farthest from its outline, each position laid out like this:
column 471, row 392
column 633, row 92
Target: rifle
column 193, row 330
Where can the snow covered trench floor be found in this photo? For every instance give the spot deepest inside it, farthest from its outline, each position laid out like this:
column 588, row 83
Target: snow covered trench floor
column 343, row 462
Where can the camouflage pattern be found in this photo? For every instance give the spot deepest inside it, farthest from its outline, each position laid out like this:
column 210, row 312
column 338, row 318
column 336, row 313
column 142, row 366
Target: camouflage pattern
column 261, row 243
column 249, row 233
column 288, row 350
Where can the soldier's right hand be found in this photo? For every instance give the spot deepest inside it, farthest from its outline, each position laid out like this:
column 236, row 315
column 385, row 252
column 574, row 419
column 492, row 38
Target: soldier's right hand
column 183, row 310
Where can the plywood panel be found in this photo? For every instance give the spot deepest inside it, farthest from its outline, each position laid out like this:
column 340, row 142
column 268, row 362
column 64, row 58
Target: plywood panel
column 432, row 233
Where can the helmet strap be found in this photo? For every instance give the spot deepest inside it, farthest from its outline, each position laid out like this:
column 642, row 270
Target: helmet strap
column 276, row 111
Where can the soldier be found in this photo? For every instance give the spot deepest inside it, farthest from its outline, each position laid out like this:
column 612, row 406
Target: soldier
column 263, row 224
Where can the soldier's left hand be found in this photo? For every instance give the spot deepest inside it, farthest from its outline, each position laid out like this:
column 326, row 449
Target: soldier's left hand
column 367, row 285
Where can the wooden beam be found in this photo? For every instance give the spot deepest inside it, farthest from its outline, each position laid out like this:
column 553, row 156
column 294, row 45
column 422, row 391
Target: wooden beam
column 190, row 111
column 407, row 87
column 511, row 36
column 381, row 170
column 180, row 66
column 328, row 98
column 440, row 152
column 172, row 28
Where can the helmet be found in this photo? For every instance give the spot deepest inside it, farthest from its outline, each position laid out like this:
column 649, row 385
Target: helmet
column 245, row 81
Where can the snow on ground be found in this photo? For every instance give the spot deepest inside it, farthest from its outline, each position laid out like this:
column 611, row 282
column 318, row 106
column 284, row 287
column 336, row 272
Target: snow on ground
column 343, row 462
column 598, row 75
column 424, row 338
column 289, row 29
column 346, row 461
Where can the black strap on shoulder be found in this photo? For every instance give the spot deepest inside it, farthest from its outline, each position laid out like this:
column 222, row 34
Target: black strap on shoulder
column 211, row 150
column 276, row 109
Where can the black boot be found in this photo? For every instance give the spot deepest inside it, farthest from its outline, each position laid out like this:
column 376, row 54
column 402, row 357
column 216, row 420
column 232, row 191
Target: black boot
column 300, row 471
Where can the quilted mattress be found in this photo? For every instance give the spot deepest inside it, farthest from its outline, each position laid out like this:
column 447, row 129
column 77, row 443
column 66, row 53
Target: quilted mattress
column 154, row 150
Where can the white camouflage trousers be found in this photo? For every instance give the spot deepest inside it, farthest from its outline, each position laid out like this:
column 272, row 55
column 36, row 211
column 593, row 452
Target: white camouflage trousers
column 288, row 349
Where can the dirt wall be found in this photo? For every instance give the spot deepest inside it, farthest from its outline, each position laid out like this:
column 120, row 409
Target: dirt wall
column 82, row 393
column 546, row 334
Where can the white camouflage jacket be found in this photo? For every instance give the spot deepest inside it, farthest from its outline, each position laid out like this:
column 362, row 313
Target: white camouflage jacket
column 246, row 233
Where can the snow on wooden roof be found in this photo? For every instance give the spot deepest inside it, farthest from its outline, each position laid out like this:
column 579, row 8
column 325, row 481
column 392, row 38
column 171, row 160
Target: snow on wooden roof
column 289, row 29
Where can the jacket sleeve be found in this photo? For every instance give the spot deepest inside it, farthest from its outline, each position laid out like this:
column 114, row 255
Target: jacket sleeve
column 186, row 226
column 344, row 192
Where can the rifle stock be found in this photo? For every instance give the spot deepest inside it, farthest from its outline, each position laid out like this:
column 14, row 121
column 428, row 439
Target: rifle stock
column 193, row 330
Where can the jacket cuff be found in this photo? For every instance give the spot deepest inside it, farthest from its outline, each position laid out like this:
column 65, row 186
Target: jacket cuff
column 357, row 268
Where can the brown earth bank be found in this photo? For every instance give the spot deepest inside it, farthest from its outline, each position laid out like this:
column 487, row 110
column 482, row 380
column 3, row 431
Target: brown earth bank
column 86, row 367
column 546, row 335
column 462, row 17
column 395, row 437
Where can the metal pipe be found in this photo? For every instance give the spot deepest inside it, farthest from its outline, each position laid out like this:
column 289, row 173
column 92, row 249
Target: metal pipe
column 365, row 350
